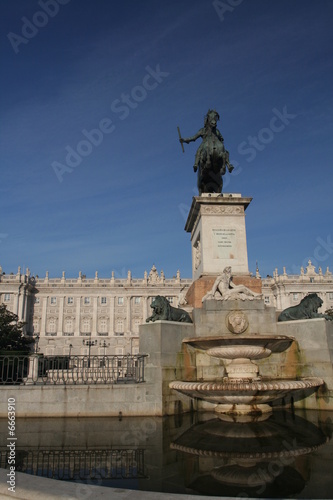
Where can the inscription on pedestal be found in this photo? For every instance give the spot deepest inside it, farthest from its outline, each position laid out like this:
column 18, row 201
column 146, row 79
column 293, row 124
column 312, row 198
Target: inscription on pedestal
column 224, row 243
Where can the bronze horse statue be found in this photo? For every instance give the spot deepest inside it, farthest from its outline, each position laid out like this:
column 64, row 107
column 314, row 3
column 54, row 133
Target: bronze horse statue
column 211, row 159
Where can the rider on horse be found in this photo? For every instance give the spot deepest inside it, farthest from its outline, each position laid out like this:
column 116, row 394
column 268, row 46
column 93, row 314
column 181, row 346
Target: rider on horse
column 211, row 156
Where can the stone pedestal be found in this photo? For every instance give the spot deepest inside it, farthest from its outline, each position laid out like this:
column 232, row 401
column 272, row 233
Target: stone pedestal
column 243, row 317
column 217, row 226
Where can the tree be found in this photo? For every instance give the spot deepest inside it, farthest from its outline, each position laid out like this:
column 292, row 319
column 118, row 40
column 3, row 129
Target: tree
column 12, row 337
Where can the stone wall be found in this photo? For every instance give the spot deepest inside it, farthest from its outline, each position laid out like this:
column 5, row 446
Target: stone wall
column 168, row 360
column 80, row 401
column 310, row 356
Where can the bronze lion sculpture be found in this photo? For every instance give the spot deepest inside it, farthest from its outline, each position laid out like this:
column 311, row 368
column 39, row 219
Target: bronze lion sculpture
column 306, row 309
column 163, row 310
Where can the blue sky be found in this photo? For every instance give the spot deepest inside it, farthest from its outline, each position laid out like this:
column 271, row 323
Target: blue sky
column 136, row 70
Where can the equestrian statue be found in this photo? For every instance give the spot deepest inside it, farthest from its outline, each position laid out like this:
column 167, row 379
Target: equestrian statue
column 211, row 159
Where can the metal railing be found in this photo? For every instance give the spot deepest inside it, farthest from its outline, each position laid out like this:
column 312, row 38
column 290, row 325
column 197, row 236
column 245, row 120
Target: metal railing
column 42, row 370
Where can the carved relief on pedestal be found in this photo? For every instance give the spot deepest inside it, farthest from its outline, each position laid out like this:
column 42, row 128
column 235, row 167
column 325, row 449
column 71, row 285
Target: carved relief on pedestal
column 219, row 210
column 216, row 210
column 237, row 322
column 197, row 254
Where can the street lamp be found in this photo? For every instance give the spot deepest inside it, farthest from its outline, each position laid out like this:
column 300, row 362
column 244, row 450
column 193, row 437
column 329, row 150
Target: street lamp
column 105, row 345
column 69, row 356
column 89, row 343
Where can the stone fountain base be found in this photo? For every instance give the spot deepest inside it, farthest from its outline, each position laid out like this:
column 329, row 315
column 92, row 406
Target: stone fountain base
column 243, row 391
column 257, row 365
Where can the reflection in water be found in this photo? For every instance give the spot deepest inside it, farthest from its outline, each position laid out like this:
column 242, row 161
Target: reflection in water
column 251, row 458
column 80, row 465
column 280, row 456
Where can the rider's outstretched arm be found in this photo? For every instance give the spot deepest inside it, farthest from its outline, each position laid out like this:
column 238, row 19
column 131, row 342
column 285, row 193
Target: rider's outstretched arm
column 194, row 137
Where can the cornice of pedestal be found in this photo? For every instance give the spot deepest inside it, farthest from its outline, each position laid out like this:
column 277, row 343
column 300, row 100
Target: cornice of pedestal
column 213, row 203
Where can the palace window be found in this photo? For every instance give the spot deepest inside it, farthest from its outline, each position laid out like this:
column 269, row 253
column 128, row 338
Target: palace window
column 170, row 299
column 53, row 300
column 36, row 326
column 36, row 300
column 119, row 327
column 103, row 326
column 267, row 299
column 52, row 326
column 70, row 300
column 137, row 300
column 120, row 301
column 86, row 325
column 87, row 300
column 69, row 325
column 136, row 324
column 295, row 296
column 103, row 300
column 330, row 295
column 7, row 297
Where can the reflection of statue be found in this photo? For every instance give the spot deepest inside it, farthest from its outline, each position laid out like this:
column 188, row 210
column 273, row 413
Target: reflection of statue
column 225, row 289
column 163, row 310
column 211, row 157
column 306, row 309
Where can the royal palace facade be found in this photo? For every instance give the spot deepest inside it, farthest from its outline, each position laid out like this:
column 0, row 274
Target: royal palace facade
column 66, row 315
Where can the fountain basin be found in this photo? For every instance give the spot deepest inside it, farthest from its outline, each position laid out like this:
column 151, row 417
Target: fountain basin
column 239, row 352
column 244, row 391
column 278, row 343
column 245, row 397
column 241, row 356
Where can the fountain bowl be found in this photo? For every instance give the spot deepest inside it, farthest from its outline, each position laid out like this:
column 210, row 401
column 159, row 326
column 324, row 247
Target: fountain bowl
column 245, row 397
column 278, row 343
column 239, row 351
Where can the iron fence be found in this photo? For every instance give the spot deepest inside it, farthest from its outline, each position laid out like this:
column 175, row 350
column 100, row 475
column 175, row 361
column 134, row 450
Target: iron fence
column 42, row 370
